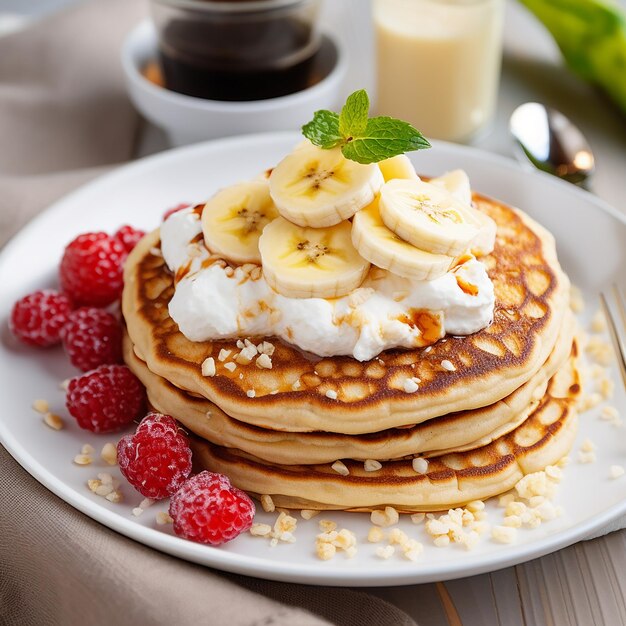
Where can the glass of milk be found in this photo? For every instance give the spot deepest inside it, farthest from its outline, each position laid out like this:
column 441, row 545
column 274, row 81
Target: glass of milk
column 439, row 63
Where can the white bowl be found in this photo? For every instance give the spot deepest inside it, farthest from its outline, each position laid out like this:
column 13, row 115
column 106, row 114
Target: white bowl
column 187, row 119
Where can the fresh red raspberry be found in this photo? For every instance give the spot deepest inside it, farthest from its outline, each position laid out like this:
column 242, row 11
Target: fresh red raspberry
column 178, row 207
column 156, row 460
column 128, row 236
column 105, row 399
column 91, row 269
column 37, row 319
column 92, row 337
column 208, row 509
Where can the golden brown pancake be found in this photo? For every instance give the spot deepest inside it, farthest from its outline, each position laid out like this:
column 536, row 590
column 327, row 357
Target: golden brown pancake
column 451, row 480
column 531, row 301
column 454, row 432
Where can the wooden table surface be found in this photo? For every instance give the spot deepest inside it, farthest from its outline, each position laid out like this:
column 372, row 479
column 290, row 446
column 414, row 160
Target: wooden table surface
column 584, row 584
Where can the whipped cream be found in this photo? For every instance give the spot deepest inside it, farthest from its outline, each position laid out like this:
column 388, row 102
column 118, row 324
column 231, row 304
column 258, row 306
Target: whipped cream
column 211, row 301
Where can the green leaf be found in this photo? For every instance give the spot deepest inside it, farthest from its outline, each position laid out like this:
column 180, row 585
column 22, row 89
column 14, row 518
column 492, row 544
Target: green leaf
column 353, row 118
column 323, row 129
column 384, row 137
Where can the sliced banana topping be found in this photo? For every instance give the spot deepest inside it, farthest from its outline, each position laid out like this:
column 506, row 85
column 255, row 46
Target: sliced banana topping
column 301, row 262
column 427, row 216
column 318, row 188
column 457, row 183
column 382, row 247
column 398, row 167
column 234, row 218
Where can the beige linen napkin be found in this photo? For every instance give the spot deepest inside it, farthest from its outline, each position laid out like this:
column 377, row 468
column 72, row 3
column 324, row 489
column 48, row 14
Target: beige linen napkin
column 65, row 117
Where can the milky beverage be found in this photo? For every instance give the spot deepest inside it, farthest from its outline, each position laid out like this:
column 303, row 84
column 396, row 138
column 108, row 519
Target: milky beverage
column 439, row 63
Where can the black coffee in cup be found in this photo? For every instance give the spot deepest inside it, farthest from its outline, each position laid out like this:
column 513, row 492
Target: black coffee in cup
column 237, row 50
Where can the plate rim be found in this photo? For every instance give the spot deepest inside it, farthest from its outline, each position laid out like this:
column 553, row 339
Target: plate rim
column 264, row 567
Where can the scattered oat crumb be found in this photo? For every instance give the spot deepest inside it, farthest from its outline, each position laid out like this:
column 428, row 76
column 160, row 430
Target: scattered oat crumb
column 504, row 534
column 397, row 536
column 260, row 530
column 599, row 350
column 606, row 387
column 616, row 471
column 308, row 513
column 146, row 503
column 372, row 465
column 264, row 362
column 375, row 534
column 514, row 521
column 420, row 465
column 41, row 406
column 385, row 552
column 82, row 459
column 448, row 365
column 231, row 367
column 504, row 500
column 418, row 518
column 208, row 367
column 576, row 300
column 267, row 503
column 137, row 511
column 598, row 322
column 223, row 354
column 109, row 454
column 410, row 386
column 586, row 457
column 251, row 393
column 163, row 518
column 475, row 505
column 609, row 414
column 340, row 468
column 266, row 348
column 53, row 421
column 386, row 518
column 296, row 385
column 327, row 526
column 87, row 449
column 332, row 394
column 563, row 462
column 588, row 445
column 114, row 496
column 442, row 541
column 325, row 550
column 412, row 549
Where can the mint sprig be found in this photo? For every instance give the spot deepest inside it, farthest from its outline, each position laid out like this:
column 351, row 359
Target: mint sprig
column 363, row 139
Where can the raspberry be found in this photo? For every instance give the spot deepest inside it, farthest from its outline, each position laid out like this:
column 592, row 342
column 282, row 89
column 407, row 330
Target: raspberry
column 178, row 207
column 91, row 269
column 156, row 460
column 105, row 399
column 37, row 319
column 128, row 236
column 208, row 509
column 92, row 337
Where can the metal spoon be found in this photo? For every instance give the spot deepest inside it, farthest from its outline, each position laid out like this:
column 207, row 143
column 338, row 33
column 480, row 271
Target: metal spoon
column 552, row 143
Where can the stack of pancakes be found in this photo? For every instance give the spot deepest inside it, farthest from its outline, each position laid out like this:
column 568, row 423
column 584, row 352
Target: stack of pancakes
column 490, row 407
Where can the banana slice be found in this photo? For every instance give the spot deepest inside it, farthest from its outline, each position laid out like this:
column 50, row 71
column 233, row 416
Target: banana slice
column 457, row 183
column 234, row 218
column 427, row 216
column 385, row 249
column 318, row 188
column 398, row 167
column 311, row 262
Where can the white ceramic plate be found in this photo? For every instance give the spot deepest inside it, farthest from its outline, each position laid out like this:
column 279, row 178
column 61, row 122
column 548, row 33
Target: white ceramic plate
column 592, row 246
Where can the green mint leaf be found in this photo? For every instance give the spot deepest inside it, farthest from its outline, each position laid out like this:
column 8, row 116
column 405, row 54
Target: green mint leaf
column 323, row 129
column 353, row 118
column 384, row 137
